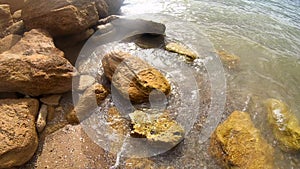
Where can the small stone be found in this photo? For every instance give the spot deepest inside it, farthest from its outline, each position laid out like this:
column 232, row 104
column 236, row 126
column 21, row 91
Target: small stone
column 16, row 28
column 17, row 16
column 18, row 137
column 134, row 78
column 42, row 118
column 72, row 118
column 285, row 124
column 82, row 82
column 236, row 143
column 181, row 49
column 139, row 163
column 157, row 127
column 51, row 100
column 90, row 100
column 230, row 60
column 9, row 41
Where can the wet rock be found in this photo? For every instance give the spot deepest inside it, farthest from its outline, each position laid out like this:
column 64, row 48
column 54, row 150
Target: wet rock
column 114, row 5
column 42, row 118
column 157, row 127
column 236, row 143
column 36, row 41
column 18, row 137
column 229, row 60
column 285, row 124
column 8, row 41
column 108, row 19
column 102, row 8
column 118, row 123
column 91, row 99
column 16, row 28
column 147, row 41
column 139, row 163
column 34, row 67
column 181, row 49
column 133, row 77
column 5, row 19
column 82, row 82
column 14, row 4
column 51, row 100
column 70, row 147
column 60, row 17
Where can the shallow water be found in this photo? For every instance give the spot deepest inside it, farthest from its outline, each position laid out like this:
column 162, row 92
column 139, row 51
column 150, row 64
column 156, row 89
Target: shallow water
column 266, row 36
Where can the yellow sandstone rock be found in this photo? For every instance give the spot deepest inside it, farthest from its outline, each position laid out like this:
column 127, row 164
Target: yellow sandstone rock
column 181, row 49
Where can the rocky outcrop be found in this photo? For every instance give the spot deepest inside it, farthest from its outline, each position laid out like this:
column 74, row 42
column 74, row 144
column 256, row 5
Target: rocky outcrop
column 34, row 67
column 60, row 17
column 18, row 137
column 157, row 127
column 70, row 147
column 6, row 19
column 236, row 143
column 132, row 77
column 285, row 124
column 8, row 41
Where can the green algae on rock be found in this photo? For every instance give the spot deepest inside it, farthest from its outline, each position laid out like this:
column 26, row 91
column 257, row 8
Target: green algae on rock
column 181, row 49
column 238, row 144
column 285, row 124
column 157, row 127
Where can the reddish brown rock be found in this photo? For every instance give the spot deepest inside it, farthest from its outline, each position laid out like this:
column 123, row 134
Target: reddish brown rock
column 238, row 144
column 34, row 67
column 133, row 77
column 18, row 137
column 60, row 17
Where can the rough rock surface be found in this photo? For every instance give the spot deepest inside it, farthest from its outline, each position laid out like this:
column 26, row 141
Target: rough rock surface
column 236, row 143
column 18, row 137
column 16, row 28
column 285, row 124
column 14, row 4
column 34, row 67
column 70, row 147
column 60, row 17
column 118, row 123
column 8, row 41
column 133, row 77
column 6, row 19
column 91, row 99
column 157, row 127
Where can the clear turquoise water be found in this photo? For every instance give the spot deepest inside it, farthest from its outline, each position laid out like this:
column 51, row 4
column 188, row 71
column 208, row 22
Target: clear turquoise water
column 266, row 35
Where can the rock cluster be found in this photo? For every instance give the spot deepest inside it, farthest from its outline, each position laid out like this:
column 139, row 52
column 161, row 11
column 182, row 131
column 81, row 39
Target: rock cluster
column 236, row 143
column 132, row 77
column 35, row 74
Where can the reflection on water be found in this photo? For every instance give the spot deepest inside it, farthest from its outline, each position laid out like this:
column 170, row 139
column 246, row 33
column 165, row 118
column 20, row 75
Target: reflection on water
column 266, row 35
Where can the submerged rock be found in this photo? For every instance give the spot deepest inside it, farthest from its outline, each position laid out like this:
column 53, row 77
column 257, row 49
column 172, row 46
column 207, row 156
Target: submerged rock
column 147, row 41
column 181, row 49
column 238, row 144
column 18, row 137
column 286, row 126
column 34, row 66
column 133, row 77
column 229, row 60
column 157, row 127
column 118, row 123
